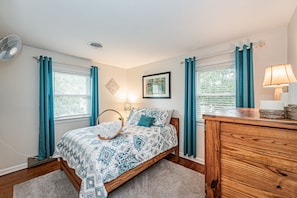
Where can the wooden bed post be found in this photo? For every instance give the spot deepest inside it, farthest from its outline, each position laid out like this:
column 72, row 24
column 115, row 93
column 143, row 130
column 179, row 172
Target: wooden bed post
column 175, row 123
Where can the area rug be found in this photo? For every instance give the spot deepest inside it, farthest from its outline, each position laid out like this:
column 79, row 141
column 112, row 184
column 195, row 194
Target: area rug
column 164, row 179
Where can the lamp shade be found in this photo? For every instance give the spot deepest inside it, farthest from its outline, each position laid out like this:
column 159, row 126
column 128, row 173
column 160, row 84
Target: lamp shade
column 278, row 75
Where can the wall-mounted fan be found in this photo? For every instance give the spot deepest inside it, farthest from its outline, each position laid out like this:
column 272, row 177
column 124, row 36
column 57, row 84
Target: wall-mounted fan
column 10, row 46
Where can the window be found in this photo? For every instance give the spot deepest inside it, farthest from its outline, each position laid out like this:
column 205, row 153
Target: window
column 71, row 95
column 215, row 88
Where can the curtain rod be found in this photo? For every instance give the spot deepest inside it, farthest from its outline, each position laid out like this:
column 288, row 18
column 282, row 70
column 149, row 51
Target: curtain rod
column 37, row 59
column 255, row 45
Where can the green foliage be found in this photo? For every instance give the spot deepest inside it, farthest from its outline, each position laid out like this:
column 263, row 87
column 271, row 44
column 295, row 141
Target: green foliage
column 217, row 81
column 71, row 105
column 216, row 90
column 72, row 84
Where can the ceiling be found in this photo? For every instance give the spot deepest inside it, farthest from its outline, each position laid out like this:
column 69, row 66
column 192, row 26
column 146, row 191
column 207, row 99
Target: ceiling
column 137, row 32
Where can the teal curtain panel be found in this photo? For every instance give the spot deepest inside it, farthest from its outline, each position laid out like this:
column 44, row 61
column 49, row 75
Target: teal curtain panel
column 244, row 77
column 190, row 108
column 94, row 95
column 46, row 110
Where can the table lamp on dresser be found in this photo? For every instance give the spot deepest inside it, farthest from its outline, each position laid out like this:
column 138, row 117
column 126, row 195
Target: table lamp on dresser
column 278, row 76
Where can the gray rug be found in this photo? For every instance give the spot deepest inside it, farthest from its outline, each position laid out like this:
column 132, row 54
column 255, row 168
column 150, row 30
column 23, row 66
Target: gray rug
column 165, row 179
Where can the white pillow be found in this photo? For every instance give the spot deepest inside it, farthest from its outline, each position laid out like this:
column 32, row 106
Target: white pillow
column 170, row 114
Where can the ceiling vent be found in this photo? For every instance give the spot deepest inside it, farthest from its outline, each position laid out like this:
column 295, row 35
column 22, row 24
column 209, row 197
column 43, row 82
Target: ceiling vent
column 95, row 44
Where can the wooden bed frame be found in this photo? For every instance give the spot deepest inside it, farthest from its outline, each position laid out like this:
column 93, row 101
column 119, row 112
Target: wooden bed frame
column 110, row 186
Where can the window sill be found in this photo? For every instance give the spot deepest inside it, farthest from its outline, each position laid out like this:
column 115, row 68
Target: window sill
column 72, row 119
column 200, row 121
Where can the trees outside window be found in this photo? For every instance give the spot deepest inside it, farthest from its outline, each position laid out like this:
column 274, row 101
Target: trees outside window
column 72, row 95
column 215, row 89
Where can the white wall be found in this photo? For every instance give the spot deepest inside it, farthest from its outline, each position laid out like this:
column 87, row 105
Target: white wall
column 292, row 42
column 274, row 52
column 106, row 99
column 19, row 104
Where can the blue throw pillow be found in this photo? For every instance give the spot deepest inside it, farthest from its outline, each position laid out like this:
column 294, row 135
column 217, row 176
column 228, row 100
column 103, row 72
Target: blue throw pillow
column 145, row 121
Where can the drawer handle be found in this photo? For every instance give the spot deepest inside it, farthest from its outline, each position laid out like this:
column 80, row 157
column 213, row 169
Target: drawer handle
column 214, row 183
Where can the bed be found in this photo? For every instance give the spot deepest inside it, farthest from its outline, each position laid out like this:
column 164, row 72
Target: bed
column 94, row 166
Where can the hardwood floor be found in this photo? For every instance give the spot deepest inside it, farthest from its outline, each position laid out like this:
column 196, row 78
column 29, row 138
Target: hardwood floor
column 8, row 181
column 187, row 163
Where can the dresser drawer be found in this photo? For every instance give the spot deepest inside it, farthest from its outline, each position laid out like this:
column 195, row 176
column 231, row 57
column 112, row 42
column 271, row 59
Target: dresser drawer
column 264, row 145
column 244, row 178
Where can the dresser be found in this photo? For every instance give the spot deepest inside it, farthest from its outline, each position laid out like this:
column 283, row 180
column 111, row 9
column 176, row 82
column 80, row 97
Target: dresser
column 248, row 156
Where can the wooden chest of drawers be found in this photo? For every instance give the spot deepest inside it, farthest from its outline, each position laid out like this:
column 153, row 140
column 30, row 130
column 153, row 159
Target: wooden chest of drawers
column 246, row 156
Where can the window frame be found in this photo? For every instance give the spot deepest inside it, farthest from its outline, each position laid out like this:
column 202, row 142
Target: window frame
column 74, row 70
column 210, row 66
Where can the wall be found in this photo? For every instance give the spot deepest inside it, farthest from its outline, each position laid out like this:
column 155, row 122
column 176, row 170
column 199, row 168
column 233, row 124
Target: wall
column 106, row 99
column 274, row 52
column 19, row 104
column 292, row 42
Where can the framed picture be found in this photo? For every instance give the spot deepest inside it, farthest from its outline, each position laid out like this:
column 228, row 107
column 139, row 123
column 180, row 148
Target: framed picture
column 156, row 85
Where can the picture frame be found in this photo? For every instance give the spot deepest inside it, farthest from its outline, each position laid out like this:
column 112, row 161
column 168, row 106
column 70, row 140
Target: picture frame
column 156, row 85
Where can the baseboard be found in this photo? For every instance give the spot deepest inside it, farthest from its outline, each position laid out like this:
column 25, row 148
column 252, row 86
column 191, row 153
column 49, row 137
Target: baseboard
column 34, row 161
column 13, row 169
column 197, row 160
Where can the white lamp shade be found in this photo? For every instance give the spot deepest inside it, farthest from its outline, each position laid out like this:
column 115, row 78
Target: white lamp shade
column 278, row 75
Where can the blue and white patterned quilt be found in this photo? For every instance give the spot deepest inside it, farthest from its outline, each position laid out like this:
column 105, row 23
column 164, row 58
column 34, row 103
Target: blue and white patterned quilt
column 99, row 161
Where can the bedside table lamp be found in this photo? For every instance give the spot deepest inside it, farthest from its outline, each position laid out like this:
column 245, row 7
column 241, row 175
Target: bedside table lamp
column 278, row 76
column 127, row 108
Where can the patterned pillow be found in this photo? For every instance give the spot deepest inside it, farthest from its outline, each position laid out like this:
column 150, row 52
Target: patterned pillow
column 170, row 113
column 160, row 116
column 135, row 116
column 131, row 114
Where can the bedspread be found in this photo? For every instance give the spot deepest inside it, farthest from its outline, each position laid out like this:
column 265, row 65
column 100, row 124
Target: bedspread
column 99, row 161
